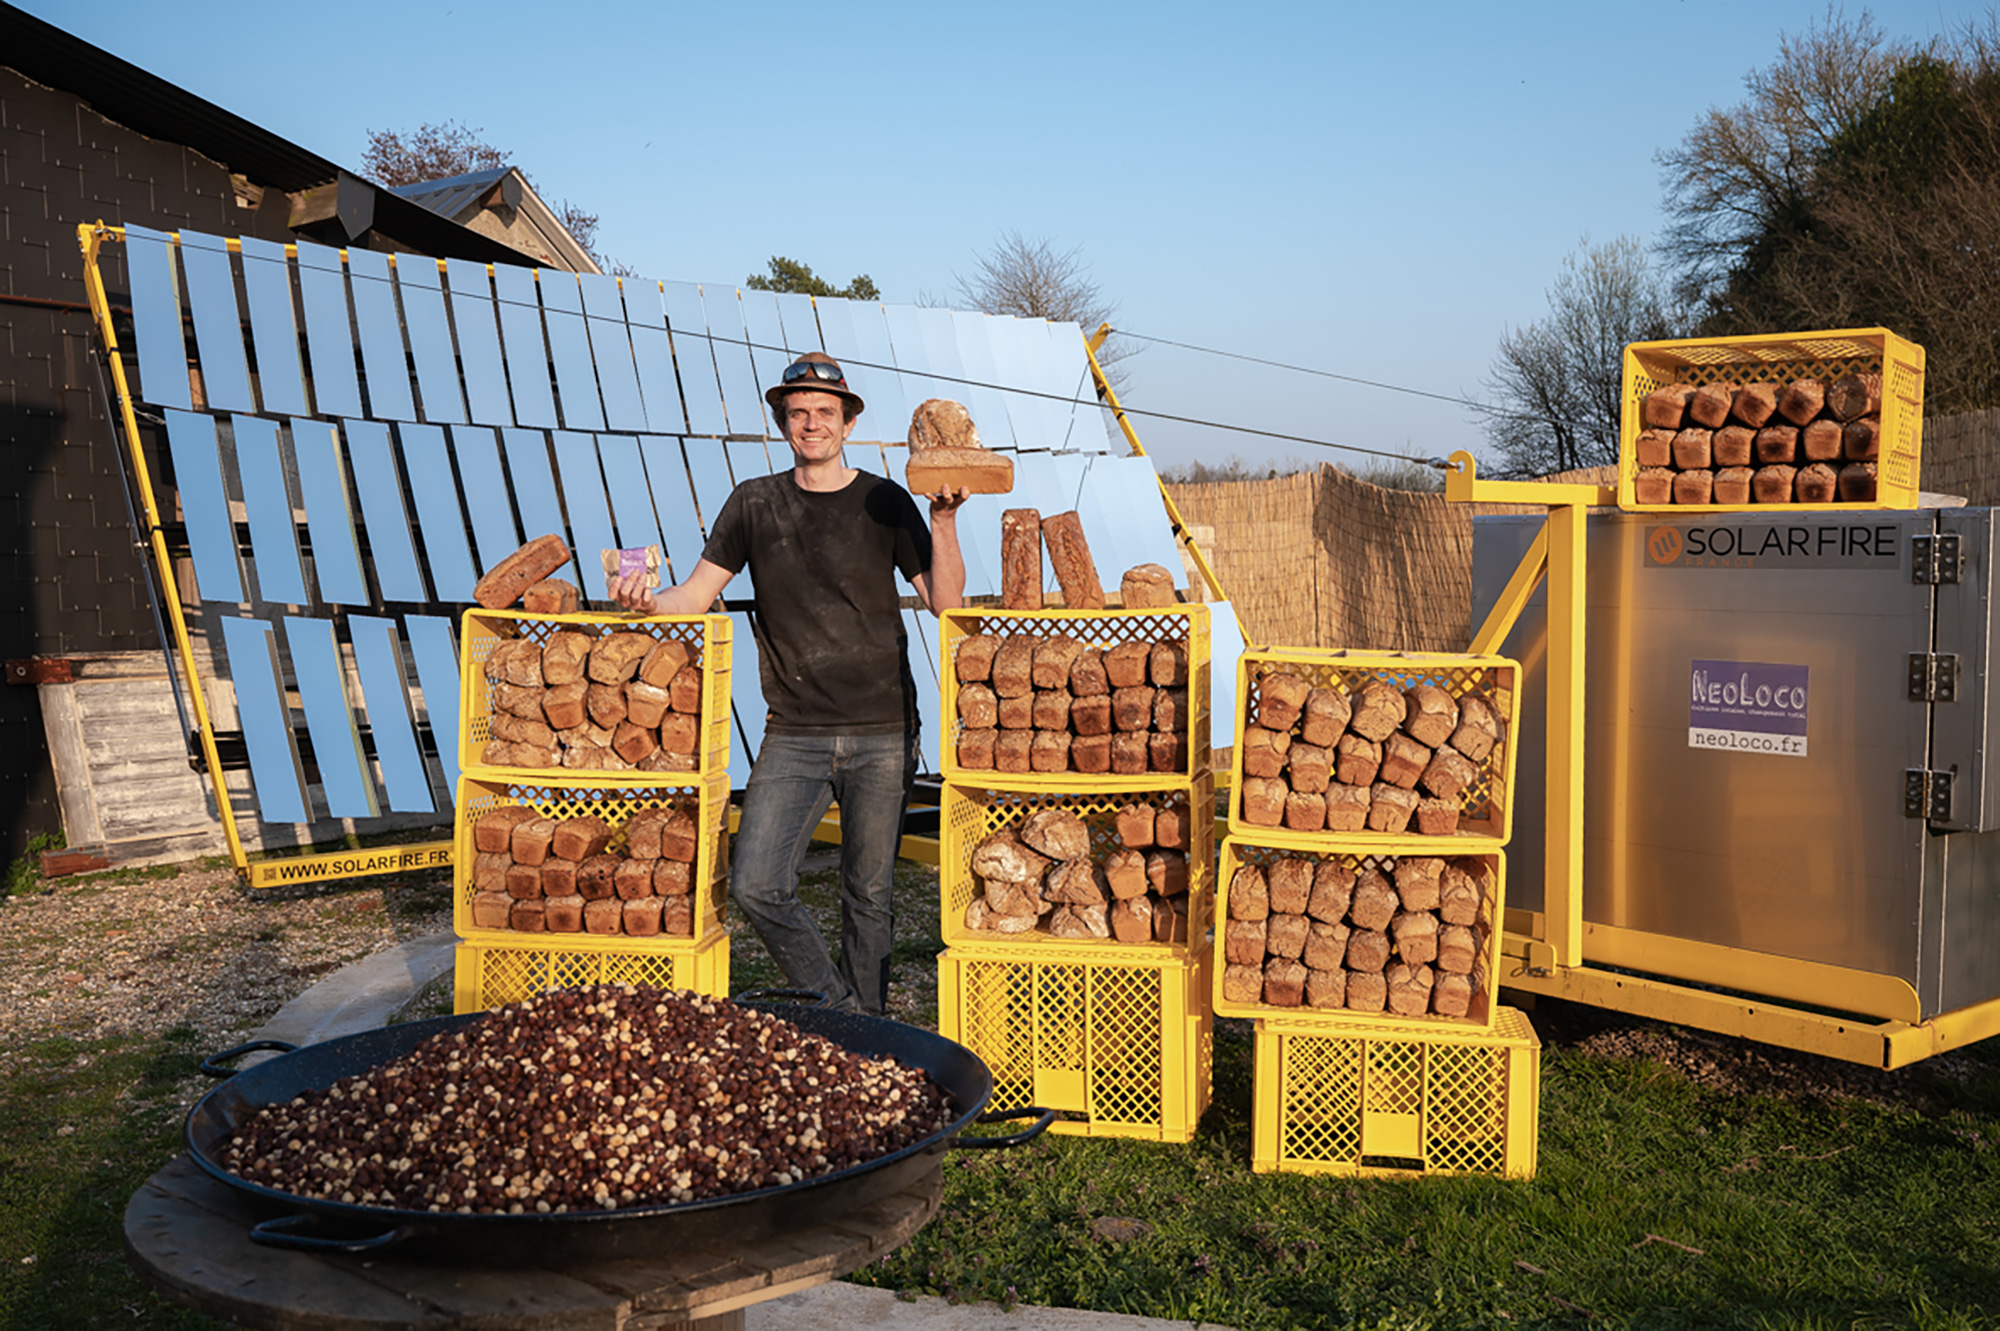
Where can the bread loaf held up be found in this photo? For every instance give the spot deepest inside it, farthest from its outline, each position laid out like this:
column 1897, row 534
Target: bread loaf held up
column 945, row 453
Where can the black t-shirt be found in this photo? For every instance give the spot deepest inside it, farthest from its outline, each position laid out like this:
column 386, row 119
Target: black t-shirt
column 829, row 621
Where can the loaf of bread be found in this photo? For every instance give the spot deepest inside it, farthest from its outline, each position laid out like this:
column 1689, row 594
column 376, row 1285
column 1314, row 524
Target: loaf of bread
column 1281, row 698
column 1693, row 487
column 1653, row 485
column 1754, row 405
column 1857, row 482
column 1346, row 807
column 1731, row 486
column 1146, row 586
column 1069, row 554
column 1733, row 446
column 945, row 453
column 1709, row 406
column 1801, row 400
column 1820, row 441
column 551, row 596
column 1654, row 448
column 503, row 584
column 1816, row 484
column 1403, row 761
column 1664, row 408
column 1692, row 449
column 1861, row 441
column 1021, row 559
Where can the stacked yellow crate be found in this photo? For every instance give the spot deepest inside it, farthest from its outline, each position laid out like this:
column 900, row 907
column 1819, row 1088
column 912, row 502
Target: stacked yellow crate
column 1359, row 900
column 1080, row 979
column 663, row 812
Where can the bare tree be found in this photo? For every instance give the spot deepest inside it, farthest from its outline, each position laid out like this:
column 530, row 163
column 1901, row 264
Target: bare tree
column 1031, row 279
column 437, row 151
column 1556, row 383
column 1743, row 178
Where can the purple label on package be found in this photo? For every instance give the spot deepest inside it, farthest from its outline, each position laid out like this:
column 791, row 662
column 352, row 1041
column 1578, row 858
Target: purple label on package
column 631, row 561
column 1748, row 707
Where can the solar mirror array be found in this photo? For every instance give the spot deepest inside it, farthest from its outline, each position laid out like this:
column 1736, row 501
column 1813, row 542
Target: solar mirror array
column 385, row 427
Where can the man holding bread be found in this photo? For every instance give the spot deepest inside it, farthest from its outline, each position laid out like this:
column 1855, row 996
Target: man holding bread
column 824, row 542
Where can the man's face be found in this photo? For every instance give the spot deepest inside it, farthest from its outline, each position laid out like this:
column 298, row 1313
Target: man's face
column 814, row 424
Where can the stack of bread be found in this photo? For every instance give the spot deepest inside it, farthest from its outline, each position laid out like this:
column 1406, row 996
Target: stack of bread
column 621, row 700
column 1040, row 874
column 1030, row 703
column 1382, row 759
column 1408, row 935
column 1805, row 441
column 533, row 874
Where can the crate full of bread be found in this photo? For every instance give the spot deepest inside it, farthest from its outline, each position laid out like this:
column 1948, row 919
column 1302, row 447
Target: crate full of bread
column 1373, row 748
column 1795, row 420
column 634, row 862
column 1356, row 937
column 1119, row 871
column 580, row 694
column 1066, row 699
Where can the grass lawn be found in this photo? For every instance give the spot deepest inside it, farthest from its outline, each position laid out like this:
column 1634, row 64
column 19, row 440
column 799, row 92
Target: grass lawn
column 1661, row 1201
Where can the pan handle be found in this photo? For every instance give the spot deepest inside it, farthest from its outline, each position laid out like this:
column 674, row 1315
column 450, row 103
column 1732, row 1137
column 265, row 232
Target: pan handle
column 212, row 1065
column 284, row 1233
column 812, row 996
column 1042, row 1117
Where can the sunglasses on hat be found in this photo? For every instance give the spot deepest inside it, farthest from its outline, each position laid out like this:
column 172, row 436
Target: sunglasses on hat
column 826, row 371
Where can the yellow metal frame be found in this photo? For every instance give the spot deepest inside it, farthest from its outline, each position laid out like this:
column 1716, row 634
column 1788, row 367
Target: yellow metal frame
column 1551, row 952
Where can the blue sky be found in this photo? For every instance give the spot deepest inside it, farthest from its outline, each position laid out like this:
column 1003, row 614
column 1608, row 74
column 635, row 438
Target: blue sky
column 1373, row 190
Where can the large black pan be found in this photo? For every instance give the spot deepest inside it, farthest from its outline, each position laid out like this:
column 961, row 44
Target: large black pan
column 325, row 1226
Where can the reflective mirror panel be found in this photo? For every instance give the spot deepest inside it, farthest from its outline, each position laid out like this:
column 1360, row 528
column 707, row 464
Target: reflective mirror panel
column 979, row 542
column 277, row 777
column 267, row 290
column 381, row 489
column 908, row 354
column 156, row 318
column 1148, row 537
column 336, row 741
column 617, row 377
column 442, row 521
column 535, row 490
column 430, row 339
column 868, row 457
column 473, row 317
column 336, row 556
column 673, row 502
column 1107, row 526
column 1225, row 640
column 385, row 689
column 895, row 465
column 801, row 326
column 653, row 356
column 625, row 477
column 274, row 540
column 710, row 472
column 747, row 459
column 600, row 297
column 1086, row 418
column 383, row 363
column 437, row 675
column 921, row 627
column 694, row 358
column 766, row 331
column 1037, row 485
column 204, row 505
column 569, row 349
column 485, row 486
column 746, row 684
column 218, row 324
column 940, row 349
column 521, row 342
column 741, row 394
column 836, row 320
column 975, row 352
column 583, row 499
column 336, row 388
column 1011, row 370
column 1046, row 378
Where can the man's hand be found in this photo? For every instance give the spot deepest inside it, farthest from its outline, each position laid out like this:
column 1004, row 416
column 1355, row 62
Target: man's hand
column 947, row 500
column 630, row 592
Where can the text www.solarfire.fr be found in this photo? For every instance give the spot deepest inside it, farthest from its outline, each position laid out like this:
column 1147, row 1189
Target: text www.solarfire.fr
column 359, row 864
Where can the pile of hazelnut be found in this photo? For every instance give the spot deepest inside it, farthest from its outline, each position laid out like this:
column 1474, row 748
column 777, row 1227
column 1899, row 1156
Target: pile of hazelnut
column 590, row 1099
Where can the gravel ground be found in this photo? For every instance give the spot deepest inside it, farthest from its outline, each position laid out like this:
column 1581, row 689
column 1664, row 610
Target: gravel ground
column 141, row 952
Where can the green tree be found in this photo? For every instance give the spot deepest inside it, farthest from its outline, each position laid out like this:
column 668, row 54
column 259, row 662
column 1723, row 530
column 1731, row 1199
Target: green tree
column 798, row 278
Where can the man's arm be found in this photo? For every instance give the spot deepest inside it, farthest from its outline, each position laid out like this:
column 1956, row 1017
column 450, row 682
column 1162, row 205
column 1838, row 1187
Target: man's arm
column 942, row 586
column 692, row 597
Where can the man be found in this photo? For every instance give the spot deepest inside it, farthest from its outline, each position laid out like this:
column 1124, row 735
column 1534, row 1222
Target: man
column 823, row 542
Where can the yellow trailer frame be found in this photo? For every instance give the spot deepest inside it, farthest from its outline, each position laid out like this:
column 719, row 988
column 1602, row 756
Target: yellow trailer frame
column 1556, row 953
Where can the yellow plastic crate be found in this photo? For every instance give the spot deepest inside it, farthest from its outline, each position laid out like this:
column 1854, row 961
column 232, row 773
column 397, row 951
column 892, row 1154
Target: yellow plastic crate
column 1126, row 1049
column 1486, row 807
column 490, row 974
column 1237, row 852
column 615, row 802
column 1781, row 358
column 1186, row 625
column 1397, row 1101
column 707, row 638
column 971, row 814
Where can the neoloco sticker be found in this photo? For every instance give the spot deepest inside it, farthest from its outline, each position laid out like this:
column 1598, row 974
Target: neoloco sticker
column 1748, row 707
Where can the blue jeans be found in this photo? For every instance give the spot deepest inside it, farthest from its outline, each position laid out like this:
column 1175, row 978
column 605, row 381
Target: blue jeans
column 792, row 783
